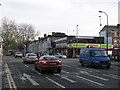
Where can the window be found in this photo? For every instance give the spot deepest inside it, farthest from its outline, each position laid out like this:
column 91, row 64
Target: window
column 115, row 34
column 119, row 41
column 99, row 53
column 115, row 41
column 119, row 33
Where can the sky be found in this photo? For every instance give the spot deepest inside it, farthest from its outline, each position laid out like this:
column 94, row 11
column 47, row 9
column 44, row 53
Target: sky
column 49, row 16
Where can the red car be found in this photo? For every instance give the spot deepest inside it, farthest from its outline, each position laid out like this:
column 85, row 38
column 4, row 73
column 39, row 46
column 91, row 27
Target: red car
column 48, row 63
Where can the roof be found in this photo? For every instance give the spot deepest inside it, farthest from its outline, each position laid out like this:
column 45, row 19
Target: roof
column 110, row 27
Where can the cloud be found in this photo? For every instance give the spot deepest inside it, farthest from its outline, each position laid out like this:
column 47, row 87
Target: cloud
column 60, row 15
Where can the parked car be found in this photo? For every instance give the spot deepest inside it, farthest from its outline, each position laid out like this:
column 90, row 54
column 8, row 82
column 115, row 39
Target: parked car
column 30, row 57
column 48, row 63
column 8, row 54
column 94, row 57
column 18, row 54
column 58, row 55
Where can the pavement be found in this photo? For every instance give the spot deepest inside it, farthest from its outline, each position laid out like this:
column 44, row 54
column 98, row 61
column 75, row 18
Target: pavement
column 115, row 63
column 0, row 72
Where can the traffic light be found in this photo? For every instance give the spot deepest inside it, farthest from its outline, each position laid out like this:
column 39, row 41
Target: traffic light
column 53, row 44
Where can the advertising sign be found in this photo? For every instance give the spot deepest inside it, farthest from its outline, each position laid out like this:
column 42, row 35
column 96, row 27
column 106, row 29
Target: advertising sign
column 76, row 45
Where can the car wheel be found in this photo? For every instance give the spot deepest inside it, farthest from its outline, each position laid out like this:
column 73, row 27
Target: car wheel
column 107, row 67
column 82, row 63
column 93, row 65
column 40, row 70
column 58, row 71
column 36, row 68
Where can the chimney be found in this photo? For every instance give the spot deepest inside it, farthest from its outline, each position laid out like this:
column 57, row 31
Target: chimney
column 118, row 26
column 53, row 33
column 45, row 35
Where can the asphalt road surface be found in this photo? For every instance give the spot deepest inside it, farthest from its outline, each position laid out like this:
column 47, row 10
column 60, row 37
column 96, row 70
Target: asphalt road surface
column 73, row 75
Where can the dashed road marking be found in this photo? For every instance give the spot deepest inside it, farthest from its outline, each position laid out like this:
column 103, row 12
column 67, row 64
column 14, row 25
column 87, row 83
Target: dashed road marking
column 65, row 77
column 65, row 71
column 112, row 76
column 66, row 65
column 55, row 82
column 90, row 80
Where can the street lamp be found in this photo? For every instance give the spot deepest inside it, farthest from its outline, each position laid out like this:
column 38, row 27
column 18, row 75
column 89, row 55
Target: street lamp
column 100, row 29
column 107, row 28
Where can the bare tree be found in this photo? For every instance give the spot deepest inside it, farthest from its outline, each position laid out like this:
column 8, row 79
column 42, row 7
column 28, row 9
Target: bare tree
column 16, row 35
column 27, row 34
column 8, row 30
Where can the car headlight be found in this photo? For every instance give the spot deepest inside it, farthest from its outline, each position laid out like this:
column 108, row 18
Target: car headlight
column 97, row 61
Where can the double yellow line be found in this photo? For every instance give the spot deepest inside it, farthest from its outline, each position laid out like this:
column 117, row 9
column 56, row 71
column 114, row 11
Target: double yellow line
column 10, row 79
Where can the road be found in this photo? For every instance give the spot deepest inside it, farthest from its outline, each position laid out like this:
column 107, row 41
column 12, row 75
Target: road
column 73, row 75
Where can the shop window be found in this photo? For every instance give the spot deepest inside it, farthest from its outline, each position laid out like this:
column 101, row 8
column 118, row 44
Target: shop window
column 115, row 41
column 115, row 34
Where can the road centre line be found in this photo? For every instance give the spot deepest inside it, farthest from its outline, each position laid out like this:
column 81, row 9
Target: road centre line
column 65, row 77
column 55, row 82
column 90, row 80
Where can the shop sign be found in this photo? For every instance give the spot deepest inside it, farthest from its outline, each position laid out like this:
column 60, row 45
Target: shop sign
column 90, row 45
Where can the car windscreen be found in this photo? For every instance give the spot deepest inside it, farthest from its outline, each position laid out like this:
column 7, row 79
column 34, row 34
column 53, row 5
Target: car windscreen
column 31, row 55
column 50, row 58
column 100, row 53
column 18, row 53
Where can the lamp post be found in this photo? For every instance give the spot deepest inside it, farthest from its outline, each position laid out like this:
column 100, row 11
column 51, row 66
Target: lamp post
column 100, row 30
column 107, row 28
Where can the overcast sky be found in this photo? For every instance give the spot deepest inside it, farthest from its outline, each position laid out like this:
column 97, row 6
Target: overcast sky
column 62, row 15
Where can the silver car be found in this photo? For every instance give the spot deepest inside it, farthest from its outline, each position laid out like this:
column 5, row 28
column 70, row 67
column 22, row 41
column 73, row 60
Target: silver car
column 18, row 54
column 30, row 57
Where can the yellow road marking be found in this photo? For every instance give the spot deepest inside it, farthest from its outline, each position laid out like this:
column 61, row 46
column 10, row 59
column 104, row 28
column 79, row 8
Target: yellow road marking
column 11, row 79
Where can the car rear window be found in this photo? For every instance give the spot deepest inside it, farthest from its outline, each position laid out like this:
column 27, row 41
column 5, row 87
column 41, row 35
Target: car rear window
column 50, row 58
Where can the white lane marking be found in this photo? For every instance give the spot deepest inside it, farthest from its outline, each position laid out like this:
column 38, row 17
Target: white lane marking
column 30, row 79
column 65, row 71
column 33, row 69
column 36, row 72
column 55, row 82
column 27, row 66
column 98, row 77
column 114, row 75
column 66, row 65
column 111, row 76
column 90, row 80
column 88, row 69
column 86, row 73
column 65, row 77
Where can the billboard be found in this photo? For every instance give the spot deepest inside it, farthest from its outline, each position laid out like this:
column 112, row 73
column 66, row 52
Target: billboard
column 79, row 45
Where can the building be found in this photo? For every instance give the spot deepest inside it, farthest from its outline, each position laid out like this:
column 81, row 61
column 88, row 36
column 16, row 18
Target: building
column 43, row 44
column 113, row 35
column 71, row 45
column 1, row 51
